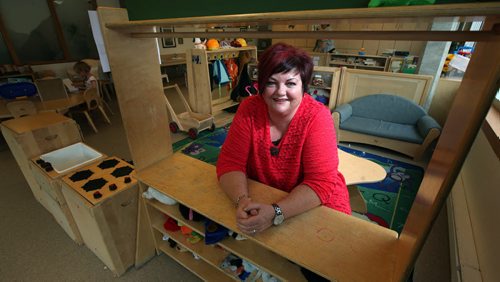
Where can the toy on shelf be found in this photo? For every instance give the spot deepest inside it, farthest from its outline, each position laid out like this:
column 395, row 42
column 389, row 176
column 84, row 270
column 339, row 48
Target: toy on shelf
column 199, row 43
column 182, row 117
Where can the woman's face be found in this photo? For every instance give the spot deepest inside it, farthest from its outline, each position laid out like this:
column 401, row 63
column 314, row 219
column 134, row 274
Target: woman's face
column 283, row 93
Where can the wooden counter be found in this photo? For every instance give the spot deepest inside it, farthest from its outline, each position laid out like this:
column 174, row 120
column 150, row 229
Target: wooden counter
column 308, row 239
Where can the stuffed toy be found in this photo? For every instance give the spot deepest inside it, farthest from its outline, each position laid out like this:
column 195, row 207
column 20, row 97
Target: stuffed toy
column 199, row 43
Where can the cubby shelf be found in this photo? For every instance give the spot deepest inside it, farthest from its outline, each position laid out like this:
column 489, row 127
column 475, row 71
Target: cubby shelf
column 247, row 249
column 343, row 60
column 200, row 267
column 204, row 97
column 211, row 255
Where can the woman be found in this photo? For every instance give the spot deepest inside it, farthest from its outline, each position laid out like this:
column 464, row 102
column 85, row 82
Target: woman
column 285, row 139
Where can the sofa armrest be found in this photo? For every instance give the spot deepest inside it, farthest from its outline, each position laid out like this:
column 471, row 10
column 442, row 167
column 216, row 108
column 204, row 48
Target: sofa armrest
column 425, row 124
column 344, row 111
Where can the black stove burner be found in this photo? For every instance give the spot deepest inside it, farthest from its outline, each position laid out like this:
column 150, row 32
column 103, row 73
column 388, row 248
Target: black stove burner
column 108, row 163
column 122, row 171
column 81, row 175
column 112, row 187
column 94, row 184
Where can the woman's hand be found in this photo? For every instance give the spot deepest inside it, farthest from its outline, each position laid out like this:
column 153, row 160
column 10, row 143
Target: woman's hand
column 252, row 217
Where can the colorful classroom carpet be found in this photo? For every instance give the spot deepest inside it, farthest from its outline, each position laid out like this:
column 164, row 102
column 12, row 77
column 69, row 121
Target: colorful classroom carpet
column 388, row 201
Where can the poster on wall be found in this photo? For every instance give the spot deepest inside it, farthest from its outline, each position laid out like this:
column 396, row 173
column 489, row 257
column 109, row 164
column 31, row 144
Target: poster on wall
column 99, row 41
column 167, row 42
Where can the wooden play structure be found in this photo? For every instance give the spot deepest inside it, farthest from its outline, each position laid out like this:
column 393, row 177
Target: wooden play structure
column 183, row 118
column 338, row 247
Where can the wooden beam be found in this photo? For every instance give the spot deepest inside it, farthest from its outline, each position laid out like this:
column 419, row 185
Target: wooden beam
column 469, row 108
column 136, row 73
column 58, row 29
column 491, row 129
column 444, row 10
column 367, row 35
column 8, row 43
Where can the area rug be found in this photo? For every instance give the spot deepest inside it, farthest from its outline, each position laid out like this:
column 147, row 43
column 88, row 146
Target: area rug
column 388, row 201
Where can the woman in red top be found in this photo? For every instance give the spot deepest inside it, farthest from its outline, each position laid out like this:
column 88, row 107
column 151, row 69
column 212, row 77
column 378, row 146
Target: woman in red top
column 285, row 139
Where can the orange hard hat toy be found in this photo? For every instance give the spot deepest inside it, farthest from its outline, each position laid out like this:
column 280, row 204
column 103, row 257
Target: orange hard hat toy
column 212, row 44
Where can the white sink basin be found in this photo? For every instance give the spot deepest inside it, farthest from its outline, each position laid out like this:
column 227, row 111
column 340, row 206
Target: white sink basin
column 70, row 157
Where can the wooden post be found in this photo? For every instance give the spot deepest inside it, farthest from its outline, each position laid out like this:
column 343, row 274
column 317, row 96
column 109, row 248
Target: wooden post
column 135, row 66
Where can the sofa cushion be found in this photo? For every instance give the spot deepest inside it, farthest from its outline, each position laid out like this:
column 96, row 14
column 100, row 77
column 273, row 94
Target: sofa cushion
column 388, row 108
column 381, row 128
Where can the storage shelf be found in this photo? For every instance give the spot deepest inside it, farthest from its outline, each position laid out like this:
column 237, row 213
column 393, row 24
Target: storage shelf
column 320, row 87
column 199, row 267
column 224, row 105
column 209, row 254
column 254, row 253
column 341, row 60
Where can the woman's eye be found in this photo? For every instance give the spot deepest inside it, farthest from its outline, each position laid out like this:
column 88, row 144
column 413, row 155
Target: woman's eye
column 291, row 84
column 269, row 84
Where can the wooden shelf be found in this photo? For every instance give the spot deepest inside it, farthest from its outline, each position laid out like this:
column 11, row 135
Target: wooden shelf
column 331, row 82
column 250, row 251
column 206, row 198
column 202, row 98
column 211, row 255
column 199, row 267
column 381, row 61
column 221, row 106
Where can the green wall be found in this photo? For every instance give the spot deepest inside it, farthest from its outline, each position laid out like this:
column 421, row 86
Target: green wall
column 156, row 9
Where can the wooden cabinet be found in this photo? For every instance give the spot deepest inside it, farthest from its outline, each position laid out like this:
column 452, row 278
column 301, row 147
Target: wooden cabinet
column 205, row 96
column 107, row 223
column 51, row 195
column 32, row 136
column 324, row 85
column 359, row 61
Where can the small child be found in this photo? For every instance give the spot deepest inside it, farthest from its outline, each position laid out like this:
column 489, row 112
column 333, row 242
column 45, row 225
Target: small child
column 83, row 70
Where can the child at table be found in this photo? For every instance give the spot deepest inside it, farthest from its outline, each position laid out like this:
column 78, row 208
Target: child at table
column 83, row 70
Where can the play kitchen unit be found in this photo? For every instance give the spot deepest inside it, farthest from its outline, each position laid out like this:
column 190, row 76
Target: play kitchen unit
column 49, row 168
column 91, row 196
column 102, row 198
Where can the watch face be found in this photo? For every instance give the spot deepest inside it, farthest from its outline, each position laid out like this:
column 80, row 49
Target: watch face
column 278, row 219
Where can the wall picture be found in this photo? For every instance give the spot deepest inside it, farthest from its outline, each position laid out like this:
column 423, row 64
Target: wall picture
column 167, row 42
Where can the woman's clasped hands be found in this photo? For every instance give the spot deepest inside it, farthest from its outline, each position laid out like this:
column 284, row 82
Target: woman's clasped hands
column 253, row 217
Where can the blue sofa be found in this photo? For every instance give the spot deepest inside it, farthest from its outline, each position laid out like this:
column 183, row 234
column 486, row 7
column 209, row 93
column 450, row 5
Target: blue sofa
column 386, row 121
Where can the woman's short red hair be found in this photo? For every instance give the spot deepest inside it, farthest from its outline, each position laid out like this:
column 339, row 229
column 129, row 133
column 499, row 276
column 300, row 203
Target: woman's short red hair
column 282, row 57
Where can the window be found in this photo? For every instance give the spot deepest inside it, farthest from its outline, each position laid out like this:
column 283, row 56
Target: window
column 42, row 31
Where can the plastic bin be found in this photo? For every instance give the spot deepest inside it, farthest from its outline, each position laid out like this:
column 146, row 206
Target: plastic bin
column 71, row 157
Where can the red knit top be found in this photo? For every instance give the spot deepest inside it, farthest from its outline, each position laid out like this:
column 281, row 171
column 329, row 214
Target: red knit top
column 306, row 154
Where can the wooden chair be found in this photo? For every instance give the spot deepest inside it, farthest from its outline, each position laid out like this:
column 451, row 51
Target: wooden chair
column 92, row 102
column 21, row 108
column 105, row 84
column 104, row 90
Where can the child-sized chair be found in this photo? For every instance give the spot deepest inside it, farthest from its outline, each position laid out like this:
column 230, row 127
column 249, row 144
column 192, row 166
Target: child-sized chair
column 92, row 102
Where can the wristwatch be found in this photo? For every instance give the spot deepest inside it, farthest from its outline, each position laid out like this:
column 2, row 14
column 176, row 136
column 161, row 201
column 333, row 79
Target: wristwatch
column 278, row 215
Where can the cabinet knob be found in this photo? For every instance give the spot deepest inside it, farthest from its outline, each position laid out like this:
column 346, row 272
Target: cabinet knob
column 51, row 137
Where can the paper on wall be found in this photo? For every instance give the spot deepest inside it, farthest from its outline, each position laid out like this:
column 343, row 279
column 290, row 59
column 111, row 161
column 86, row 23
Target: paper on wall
column 99, row 41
